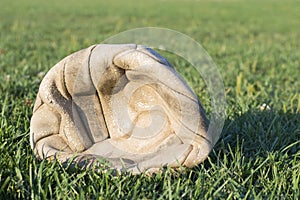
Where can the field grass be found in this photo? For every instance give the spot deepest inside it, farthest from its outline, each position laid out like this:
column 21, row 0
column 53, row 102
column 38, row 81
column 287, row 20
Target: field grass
column 256, row 46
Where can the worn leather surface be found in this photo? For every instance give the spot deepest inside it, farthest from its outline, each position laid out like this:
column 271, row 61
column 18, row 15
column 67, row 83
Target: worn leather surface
column 122, row 103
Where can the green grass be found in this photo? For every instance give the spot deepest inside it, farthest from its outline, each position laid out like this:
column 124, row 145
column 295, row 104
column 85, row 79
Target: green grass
column 256, row 45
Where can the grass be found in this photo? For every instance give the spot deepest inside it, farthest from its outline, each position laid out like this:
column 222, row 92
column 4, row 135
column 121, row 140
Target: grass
column 255, row 45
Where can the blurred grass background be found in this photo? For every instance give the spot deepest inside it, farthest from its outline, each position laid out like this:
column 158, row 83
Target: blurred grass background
column 256, row 47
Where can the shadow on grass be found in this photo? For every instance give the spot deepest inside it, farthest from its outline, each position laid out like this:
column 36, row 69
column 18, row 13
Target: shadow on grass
column 259, row 133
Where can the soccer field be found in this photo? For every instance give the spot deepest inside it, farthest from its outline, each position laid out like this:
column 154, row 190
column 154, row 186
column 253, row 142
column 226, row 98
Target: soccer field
column 256, row 47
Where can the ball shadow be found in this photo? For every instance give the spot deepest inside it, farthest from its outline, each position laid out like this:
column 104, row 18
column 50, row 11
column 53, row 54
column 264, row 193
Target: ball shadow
column 258, row 133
